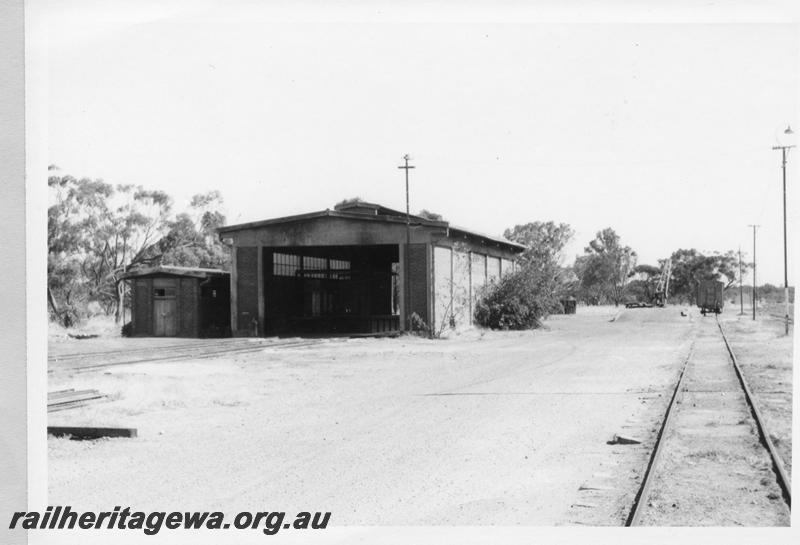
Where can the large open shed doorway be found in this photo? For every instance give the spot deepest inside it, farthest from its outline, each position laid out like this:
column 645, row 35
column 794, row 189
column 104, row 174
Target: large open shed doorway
column 319, row 290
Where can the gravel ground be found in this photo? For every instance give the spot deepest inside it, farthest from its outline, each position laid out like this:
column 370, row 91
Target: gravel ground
column 497, row 428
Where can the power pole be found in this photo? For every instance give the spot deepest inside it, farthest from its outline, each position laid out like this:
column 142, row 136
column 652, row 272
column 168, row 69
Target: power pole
column 784, row 152
column 741, row 292
column 407, row 272
column 754, row 297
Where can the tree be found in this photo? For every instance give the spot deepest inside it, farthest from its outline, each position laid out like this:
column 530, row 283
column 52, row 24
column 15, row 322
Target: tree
column 570, row 283
column 644, row 284
column 544, row 244
column 519, row 300
column 544, row 241
column 192, row 240
column 690, row 267
column 592, row 272
column 129, row 229
column 97, row 232
column 353, row 200
column 433, row 216
column 605, row 268
column 73, row 270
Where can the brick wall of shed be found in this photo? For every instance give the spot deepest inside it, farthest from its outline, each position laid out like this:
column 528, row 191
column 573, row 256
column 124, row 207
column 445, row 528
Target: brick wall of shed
column 492, row 269
column 246, row 288
column 418, row 273
column 460, row 277
column 461, row 289
column 477, row 281
column 443, row 288
column 142, row 315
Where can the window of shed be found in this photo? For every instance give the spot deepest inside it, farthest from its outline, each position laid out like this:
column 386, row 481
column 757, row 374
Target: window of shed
column 163, row 292
column 315, row 267
column 340, row 269
column 285, row 264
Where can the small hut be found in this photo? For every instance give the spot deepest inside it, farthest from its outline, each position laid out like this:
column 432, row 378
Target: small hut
column 570, row 305
column 179, row 302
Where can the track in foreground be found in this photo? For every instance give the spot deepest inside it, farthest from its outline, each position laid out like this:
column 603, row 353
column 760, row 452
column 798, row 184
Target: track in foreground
column 713, row 462
column 185, row 351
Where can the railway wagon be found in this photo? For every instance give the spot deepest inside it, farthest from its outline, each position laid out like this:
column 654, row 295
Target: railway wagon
column 709, row 296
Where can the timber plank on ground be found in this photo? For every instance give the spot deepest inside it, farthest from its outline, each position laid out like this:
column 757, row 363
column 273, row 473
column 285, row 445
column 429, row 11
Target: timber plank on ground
column 80, row 432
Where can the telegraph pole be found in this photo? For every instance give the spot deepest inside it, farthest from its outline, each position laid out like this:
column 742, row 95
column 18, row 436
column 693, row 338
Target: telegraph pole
column 784, row 153
column 741, row 293
column 754, row 297
column 407, row 283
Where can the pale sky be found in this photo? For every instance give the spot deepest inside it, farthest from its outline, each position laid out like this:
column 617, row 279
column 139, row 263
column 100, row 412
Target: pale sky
column 662, row 131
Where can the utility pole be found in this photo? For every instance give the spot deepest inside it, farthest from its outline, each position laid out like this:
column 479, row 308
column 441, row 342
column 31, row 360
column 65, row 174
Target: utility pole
column 741, row 292
column 784, row 153
column 754, row 296
column 407, row 272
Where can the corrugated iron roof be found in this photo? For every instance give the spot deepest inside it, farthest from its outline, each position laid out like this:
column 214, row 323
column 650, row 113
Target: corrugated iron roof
column 381, row 214
column 173, row 270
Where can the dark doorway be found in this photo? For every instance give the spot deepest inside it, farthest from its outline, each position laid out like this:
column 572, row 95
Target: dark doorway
column 215, row 307
column 331, row 289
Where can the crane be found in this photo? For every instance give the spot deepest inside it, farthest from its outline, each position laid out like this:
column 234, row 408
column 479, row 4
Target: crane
column 662, row 288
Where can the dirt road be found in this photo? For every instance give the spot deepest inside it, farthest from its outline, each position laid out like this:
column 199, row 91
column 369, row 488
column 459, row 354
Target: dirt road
column 500, row 428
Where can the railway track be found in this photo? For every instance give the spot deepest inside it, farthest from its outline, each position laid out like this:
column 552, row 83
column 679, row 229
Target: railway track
column 144, row 349
column 89, row 361
column 781, row 317
column 712, row 407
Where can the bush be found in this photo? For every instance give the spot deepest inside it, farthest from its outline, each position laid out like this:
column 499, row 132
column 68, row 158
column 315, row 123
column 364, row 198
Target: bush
column 127, row 329
column 518, row 301
column 67, row 317
column 418, row 326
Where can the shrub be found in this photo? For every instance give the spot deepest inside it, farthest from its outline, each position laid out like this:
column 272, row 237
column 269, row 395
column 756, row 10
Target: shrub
column 517, row 301
column 418, row 326
column 127, row 329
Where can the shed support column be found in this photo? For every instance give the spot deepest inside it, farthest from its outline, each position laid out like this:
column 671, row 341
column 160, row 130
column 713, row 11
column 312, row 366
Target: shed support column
column 234, row 294
column 431, row 291
column 452, row 281
column 401, row 277
column 260, row 284
column 469, row 283
column 131, row 290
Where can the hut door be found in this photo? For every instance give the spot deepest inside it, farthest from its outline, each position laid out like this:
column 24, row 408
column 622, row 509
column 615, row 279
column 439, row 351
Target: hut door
column 164, row 319
column 164, row 309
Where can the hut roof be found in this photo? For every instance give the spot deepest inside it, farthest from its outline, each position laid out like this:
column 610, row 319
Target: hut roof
column 171, row 270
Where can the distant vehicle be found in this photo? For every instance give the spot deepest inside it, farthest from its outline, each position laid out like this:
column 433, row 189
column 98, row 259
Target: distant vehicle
column 709, row 296
column 638, row 304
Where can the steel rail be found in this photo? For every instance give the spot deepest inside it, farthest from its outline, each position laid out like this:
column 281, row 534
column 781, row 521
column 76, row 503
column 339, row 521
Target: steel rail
column 165, row 348
column 782, row 477
column 230, row 343
column 185, row 348
column 777, row 464
column 644, row 490
column 178, row 357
